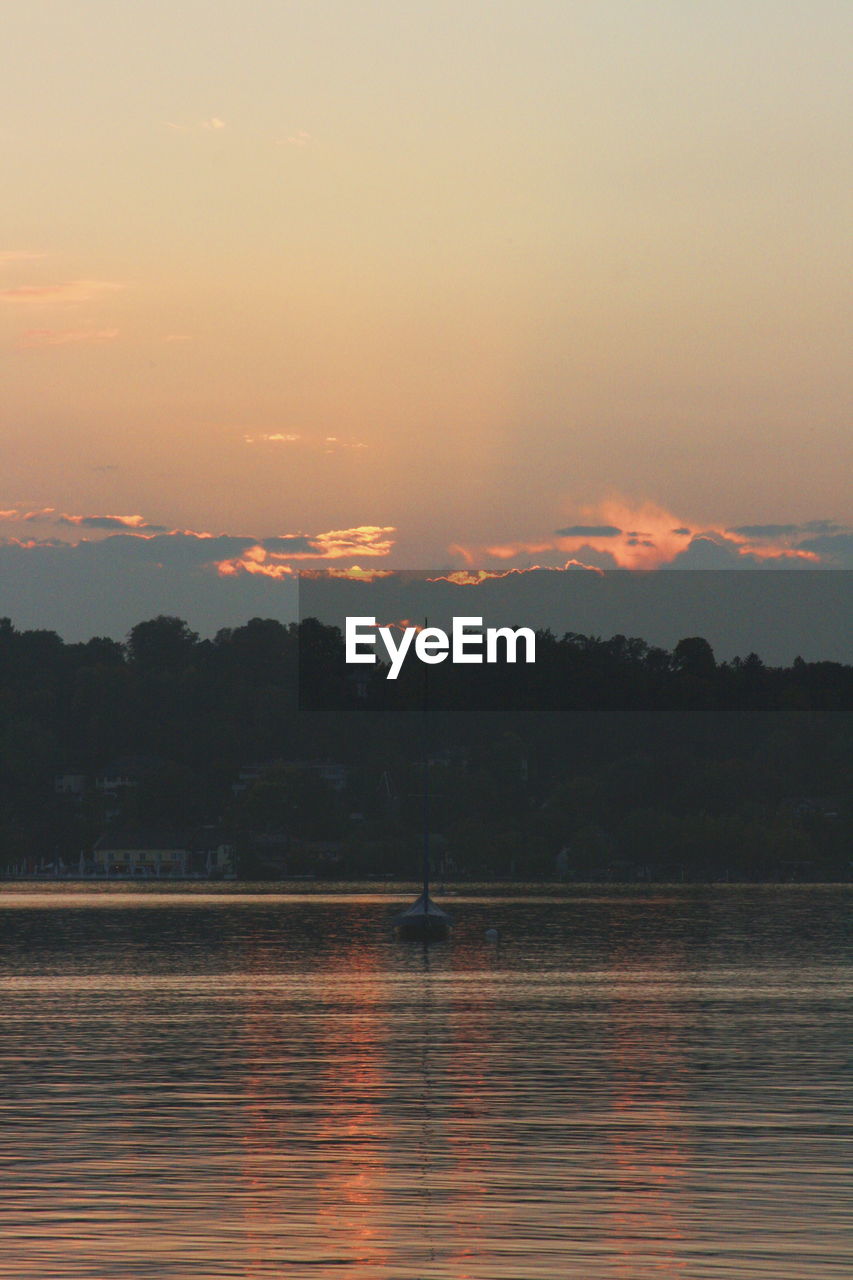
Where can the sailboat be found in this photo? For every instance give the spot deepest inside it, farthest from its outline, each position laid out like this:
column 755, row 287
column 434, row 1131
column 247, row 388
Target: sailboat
column 423, row 920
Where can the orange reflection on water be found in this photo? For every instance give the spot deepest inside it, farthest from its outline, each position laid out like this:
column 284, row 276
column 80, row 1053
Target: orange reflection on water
column 471, row 1028
column 311, row 1130
column 648, row 1125
column 261, row 1136
column 350, row 1205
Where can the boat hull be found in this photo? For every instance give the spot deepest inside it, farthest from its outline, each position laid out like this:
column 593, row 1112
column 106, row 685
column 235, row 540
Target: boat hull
column 422, row 921
column 423, row 928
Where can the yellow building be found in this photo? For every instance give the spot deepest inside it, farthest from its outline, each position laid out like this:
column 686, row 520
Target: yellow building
column 141, row 853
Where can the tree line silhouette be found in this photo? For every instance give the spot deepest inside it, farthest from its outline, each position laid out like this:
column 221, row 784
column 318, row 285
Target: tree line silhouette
column 608, row 758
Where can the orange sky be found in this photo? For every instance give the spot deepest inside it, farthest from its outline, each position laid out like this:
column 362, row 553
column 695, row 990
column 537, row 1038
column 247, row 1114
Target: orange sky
column 427, row 283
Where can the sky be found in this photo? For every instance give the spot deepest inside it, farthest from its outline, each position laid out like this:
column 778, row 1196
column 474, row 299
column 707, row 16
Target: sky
column 498, row 284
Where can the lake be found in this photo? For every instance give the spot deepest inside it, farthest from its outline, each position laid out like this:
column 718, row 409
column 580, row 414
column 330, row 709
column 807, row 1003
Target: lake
column 629, row 1083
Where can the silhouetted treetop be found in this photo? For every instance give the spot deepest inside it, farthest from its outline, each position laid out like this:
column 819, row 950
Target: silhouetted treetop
column 164, row 642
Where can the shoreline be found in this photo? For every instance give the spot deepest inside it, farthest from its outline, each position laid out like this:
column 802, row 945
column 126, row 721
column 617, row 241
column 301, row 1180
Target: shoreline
column 387, row 889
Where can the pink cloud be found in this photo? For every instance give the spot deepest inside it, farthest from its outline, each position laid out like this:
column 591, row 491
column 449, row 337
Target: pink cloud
column 627, row 534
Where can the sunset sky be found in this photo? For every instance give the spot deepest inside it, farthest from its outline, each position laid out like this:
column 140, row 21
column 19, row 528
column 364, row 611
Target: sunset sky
column 427, row 284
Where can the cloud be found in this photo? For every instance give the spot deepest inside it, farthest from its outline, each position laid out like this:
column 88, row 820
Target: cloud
column 255, row 561
column 368, row 540
column 716, row 551
column 473, row 555
column 834, row 549
column 824, row 527
column 32, row 544
column 177, row 337
column 329, row 444
column 625, row 534
column 765, row 530
column 18, row 515
column 618, row 533
column 180, row 547
column 37, row 338
column 288, row 544
column 105, row 584
column 131, row 538
column 110, row 523
column 509, row 550
column 476, row 577
column 825, row 543
column 273, row 437
column 212, row 123
column 588, row 531
column 775, row 531
column 298, row 139
column 134, row 537
column 274, row 557
column 65, row 291
column 643, row 537
column 353, row 573
column 109, row 580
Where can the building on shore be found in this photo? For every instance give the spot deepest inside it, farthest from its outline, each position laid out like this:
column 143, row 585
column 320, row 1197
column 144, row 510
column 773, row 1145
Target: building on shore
column 134, row 853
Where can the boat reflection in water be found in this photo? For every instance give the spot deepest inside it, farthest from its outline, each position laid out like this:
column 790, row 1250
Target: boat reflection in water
column 423, row 920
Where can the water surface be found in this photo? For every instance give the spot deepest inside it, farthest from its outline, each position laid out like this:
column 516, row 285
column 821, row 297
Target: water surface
column 629, row 1084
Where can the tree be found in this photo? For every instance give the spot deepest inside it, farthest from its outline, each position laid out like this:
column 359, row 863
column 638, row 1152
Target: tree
column 695, row 657
column 162, row 642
